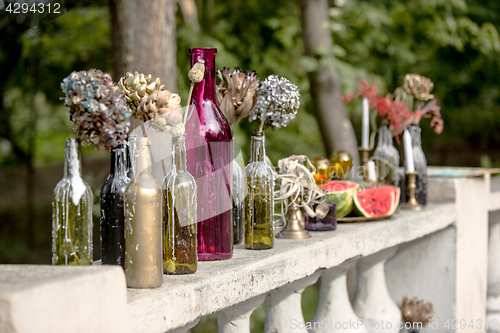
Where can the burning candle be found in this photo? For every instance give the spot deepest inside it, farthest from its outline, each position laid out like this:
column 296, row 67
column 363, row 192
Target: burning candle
column 410, row 167
column 365, row 133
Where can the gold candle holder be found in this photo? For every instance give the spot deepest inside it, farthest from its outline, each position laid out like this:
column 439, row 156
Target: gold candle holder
column 365, row 155
column 412, row 203
column 294, row 229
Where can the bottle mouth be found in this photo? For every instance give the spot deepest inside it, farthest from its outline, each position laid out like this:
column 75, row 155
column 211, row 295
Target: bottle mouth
column 258, row 134
column 142, row 141
column 202, row 50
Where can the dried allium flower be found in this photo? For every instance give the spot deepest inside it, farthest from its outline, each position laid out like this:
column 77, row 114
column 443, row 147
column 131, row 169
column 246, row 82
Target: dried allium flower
column 97, row 107
column 418, row 86
column 163, row 108
column 197, row 72
column 416, row 311
column 278, row 101
column 236, row 93
column 136, row 87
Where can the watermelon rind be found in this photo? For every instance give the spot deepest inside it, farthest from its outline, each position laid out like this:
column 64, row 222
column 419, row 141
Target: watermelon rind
column 343, row 199
column 393, row 203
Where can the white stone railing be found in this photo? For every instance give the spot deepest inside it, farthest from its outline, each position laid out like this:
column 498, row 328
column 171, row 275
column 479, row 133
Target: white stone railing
column 439, row 254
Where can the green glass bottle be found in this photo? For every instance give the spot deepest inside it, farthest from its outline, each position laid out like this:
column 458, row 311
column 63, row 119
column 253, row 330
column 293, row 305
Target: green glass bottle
column 259, row 202
column 72, row 213
column 180, row 254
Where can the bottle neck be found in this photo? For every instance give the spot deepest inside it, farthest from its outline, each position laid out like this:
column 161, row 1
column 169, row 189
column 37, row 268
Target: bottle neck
column 132, row 142
column 71, row 160
column 179, row 153
column 382, row 136
column 388, row 137
column 415, row 133
column 119, row 161
column 204, row 90
column 143, row 158
column 258, row 147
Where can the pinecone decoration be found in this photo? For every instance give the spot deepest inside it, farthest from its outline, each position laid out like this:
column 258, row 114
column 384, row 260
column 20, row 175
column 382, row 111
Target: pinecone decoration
column 136, row 87
column 236, row 93
column 163, row 108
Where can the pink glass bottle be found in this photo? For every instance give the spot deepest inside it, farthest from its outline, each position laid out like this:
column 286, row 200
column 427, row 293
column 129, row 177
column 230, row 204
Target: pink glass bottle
column 209, row 155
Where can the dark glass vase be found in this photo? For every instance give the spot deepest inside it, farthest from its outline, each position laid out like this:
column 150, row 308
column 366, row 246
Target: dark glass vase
column 259, row 202
column 386, row 158
column 209, row 147
column 420, row 165
column 179, row 215
column 329, row 222
column 112, row 209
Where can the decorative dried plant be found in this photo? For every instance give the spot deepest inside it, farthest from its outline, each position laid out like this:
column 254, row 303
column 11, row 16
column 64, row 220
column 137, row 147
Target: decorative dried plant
column 416, row 311
column 236, row 93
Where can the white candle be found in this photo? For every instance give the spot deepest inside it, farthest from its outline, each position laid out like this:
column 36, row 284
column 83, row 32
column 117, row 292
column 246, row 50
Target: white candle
column 372, row 173
column 410, row 167
column 365, row 129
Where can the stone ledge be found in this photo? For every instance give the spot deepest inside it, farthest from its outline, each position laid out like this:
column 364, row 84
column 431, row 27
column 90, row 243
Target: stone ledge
column 41, row 298
column 220, row 284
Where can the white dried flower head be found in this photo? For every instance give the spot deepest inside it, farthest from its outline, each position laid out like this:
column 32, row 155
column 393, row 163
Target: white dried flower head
column 197, row 72
column 163, row 108
column 418, row 86
column 178, row 130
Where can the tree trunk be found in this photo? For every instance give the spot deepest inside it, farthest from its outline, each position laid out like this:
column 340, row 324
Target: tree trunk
column 335, row 126
column 146, row 34
column 190, row 14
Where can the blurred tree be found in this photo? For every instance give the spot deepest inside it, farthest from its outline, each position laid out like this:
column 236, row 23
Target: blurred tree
column 144, row 39
column 325, row 86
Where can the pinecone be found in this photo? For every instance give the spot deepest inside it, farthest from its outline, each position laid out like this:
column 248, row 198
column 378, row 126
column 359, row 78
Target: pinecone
column 236, row 93
column 136, row 87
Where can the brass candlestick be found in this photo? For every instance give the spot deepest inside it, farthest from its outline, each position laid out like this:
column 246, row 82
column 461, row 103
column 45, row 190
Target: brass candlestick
column 365, row 155
column 294, row 229
column 412, row 203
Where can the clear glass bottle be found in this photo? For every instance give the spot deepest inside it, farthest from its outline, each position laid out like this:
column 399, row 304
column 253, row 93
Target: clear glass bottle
column 420, row 165
column 72, row 213
column 209, row 147
column 112, row 209
column 239, row 192
column 179, row 215
column 388, row 164
column 143, row 240
column 259, row 202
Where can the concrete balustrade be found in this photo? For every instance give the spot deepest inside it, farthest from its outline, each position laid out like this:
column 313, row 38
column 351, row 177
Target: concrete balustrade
column 431, row 254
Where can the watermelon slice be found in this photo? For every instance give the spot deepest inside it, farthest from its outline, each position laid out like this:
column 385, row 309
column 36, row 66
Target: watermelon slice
column 342, row 194
column 380, row 201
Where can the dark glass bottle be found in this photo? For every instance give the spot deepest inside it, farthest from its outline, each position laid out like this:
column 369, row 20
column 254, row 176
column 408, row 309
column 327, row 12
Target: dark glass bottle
column 420, row 163
column 179, row 215
column 259, row 202
column 209, row 154
column 72, row 213
column 112, row 209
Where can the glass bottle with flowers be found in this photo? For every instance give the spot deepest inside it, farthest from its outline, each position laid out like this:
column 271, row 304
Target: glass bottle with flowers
column 416, row 93
column 236, row 97
column 98, row 109
column 392, row 115
column 277, row 104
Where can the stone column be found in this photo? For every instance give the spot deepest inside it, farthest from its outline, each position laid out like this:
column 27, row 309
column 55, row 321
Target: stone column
column 236, row 319
column 335, row 313
column 493, row 301
column 284, row 309
column 373, row 303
